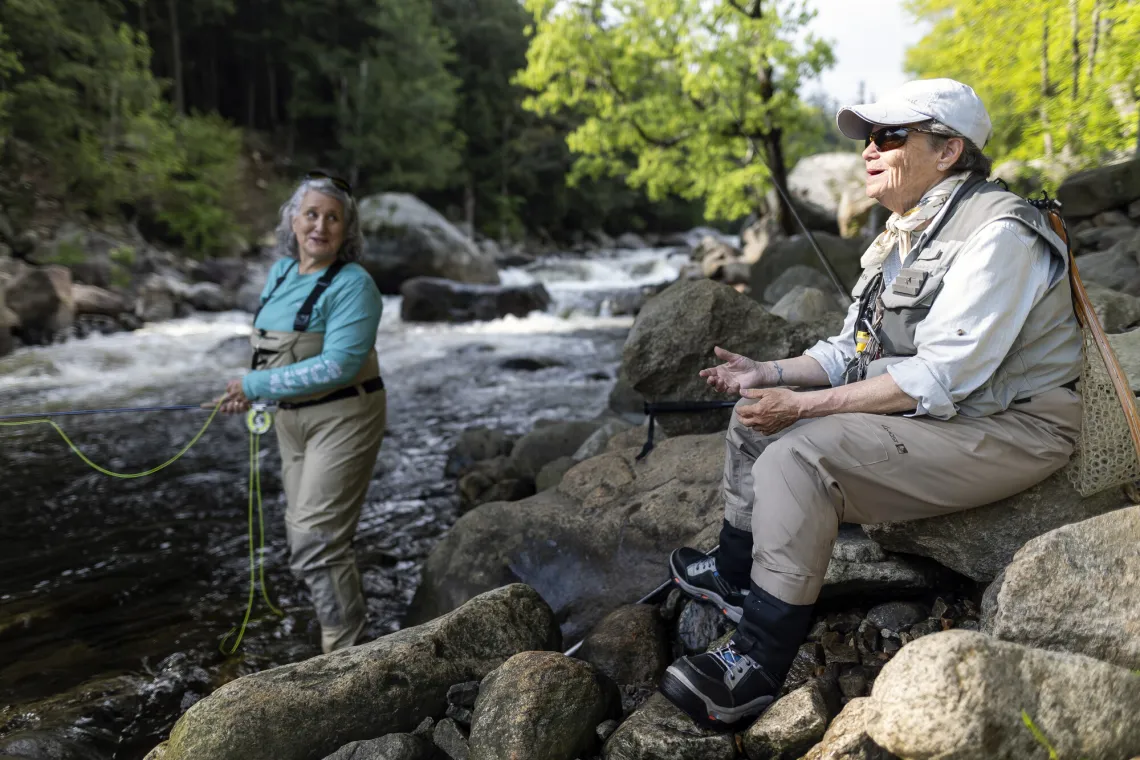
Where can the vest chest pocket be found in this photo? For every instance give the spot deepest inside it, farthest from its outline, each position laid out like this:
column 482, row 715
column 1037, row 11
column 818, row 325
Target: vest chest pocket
column 915, row 287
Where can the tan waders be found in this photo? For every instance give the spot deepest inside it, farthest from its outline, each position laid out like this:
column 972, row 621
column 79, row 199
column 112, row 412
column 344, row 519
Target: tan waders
column 792, row 490
column 328, row 451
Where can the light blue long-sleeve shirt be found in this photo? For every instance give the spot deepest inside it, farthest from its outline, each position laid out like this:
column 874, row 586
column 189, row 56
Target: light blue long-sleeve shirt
column 348, row 313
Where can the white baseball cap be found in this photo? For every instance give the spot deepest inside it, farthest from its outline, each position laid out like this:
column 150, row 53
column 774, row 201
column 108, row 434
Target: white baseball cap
column 945, row 100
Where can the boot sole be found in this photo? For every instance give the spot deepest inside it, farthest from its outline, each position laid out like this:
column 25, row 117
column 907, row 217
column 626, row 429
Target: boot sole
column 733, row 613
column 678, row 690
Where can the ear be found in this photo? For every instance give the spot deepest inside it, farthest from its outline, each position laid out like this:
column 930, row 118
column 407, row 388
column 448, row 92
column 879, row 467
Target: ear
column 951, row 151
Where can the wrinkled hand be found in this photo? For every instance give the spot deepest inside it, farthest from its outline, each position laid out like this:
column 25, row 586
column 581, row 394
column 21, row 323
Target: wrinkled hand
column 736, row 373
column 775, row 409
column 233, row 401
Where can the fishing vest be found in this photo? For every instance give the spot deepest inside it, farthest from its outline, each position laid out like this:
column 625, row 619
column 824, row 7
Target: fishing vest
column 1047, row 351
column 278, row 348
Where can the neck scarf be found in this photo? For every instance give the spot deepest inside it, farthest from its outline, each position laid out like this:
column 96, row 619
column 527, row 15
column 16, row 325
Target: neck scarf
column 901, row 226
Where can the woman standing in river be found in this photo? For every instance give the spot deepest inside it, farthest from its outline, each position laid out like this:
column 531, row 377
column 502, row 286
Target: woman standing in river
column 314, row 354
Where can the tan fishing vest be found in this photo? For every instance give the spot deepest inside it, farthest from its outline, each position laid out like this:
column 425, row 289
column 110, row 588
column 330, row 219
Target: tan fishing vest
column 1047, row 351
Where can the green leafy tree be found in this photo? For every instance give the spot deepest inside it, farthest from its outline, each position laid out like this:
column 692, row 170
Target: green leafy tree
column 1059, row 77
column 678, row 96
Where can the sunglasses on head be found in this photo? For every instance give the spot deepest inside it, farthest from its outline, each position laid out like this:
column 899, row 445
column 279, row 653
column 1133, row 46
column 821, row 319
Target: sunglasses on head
column 890, row 138
column 337, row 182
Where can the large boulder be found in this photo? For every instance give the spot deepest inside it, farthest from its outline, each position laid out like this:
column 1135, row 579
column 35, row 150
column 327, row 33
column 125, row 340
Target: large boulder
column 42, row 300
column 962, row 695
column 1126, row 346
column 822, row 179
column 673, row 340
column 796, row 250
column 602, row 538
column 310, row 709
column 541, row 706
column 92, row 300
column 1104, row 188
column 980, row 542
column 549, row 442
column 1116, row 311
column 659, row 731
column 631, row 645
column 431, row 299
column 857, row 212
column 406, row 238
column 390, row 747
column 795, row 277
column 805, row 304
column 1077, row 589
column 846, row 737
column 1115, row 268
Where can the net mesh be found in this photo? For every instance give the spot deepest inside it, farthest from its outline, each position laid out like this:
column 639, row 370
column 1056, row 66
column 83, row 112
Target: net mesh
column 1105, row 456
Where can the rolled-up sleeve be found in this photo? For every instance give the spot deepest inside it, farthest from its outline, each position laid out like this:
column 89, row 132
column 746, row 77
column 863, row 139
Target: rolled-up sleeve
column 999, row 275
column 835, row 353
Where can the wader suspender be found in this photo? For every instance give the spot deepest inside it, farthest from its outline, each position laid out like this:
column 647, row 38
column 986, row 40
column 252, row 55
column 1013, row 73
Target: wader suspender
column 305, row 314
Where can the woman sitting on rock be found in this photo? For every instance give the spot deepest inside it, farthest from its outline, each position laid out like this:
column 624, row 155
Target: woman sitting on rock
column 314, row 354
column 952, row 387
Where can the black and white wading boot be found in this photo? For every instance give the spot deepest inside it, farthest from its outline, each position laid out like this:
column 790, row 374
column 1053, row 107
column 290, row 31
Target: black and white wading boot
column 722, row 690
column 696, row 574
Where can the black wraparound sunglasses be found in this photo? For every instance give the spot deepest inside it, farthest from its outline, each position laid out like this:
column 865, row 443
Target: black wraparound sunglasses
column 890, row 138
column 337, row 182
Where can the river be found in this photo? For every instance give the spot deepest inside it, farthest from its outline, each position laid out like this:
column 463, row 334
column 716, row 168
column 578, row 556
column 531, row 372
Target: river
column 115, row 594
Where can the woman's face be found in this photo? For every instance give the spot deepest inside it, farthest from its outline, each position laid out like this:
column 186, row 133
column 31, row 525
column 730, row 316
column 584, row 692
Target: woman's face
column 898, row 178
column 319, row 226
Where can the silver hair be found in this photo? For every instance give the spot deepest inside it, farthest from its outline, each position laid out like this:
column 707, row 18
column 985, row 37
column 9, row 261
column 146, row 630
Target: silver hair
column 353, row 245
column 972, row 158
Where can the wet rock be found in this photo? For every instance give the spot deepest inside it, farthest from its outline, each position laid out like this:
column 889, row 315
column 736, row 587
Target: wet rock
column 791, row 726
column 1116, row 311
column 663, row 355
column 846, row 737
column 853, row 683
column 633, row 697
column 431, row 299
column 805, row 304
column 700, row 624
column 599, row 539
column 390, row 747
column 606, row 729
column 630, row 645
column 541, row 705
column 41, row 298
column 450, row 739
column 404, row 671
column 461, row 715
column 844, row 622
column 980, row 542
column 808, row 664
column 207, row 296
column 962, row 695
column 547, row 443
column 838, row 650
column 630, row 241
column 406, row 238
column 463, row 694
column 896, row 616
column 1104, row 188
column 477, row 445
column 1077, row 589
column 659, row 730
column 551, row 473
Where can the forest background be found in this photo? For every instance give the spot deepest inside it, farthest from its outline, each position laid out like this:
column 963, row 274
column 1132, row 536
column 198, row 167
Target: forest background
column 533, row 120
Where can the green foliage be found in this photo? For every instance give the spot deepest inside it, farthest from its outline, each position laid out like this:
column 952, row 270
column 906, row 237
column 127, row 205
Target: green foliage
column 9, row 67
column 1044, row 99
column 122, row 261
column 677, row 96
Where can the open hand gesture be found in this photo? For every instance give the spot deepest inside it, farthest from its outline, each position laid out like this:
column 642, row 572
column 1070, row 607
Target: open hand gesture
column 737, row 373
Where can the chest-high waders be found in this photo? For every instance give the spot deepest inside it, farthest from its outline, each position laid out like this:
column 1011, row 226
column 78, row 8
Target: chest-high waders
column 329, row 443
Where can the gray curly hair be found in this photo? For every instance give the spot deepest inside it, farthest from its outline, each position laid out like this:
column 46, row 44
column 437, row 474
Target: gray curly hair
column 353, row 245
column 972, row 158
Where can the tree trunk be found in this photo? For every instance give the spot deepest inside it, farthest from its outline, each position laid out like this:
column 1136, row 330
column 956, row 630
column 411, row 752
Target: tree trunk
column 772, row 140
column 272, row 84
column 1094, row 43
column 176, row 57
column 251, row 100
column 1046, row 89
column 469, row 207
